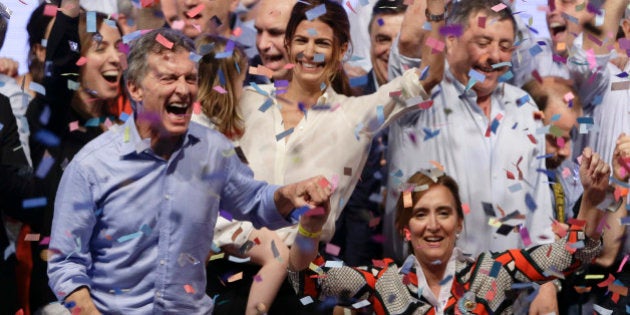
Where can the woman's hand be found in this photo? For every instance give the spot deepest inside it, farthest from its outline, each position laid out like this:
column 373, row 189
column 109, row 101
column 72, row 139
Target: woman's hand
column 621, row 158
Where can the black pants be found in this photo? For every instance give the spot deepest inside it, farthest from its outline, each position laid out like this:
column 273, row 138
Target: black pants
column 8, row 286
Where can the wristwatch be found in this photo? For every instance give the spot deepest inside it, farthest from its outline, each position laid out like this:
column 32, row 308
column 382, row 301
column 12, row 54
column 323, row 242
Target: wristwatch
column 434, row 17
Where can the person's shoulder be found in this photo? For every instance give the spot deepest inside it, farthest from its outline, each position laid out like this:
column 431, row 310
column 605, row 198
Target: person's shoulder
column 102, row 148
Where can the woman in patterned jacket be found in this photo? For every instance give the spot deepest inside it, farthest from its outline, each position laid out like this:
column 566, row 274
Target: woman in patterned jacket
column 438, row 278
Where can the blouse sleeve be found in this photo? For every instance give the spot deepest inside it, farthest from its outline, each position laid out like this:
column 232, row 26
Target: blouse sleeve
column 546, row 262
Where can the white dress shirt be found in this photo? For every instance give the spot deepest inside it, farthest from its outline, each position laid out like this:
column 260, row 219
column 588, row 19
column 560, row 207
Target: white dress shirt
column 478, row 162
column 333, row 142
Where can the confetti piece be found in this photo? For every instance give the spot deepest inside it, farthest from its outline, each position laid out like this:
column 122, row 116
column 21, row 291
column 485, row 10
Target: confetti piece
column 239, row 260
column 45, row 241
column 316, row 12
column 45, row 165
column 616, row 86
column 494, row 271
column 219, row 89
column 333, row 264
column 525, row 236
column 407, row 202
column 428, row 134
column 165, row 42
column 189, row 289
column 318, row 58
column 217, row 256
column 129, row 237
column 90, row 18
column 481, row 21
column 359, row 81
column 361, row 304
column 466, row 208
column 34, row 202
column 274, row 249
column 32, row 237
column 178, row 25
column 535, row 50
column 434, row 43
column 195, row 11
column 226, row 215
column 451, row 30
column 306, row 300
column 235, row 277
column 516, row 187
column 506, row 76
column 446, row 280
column 36, row 87
column 332, row 249
column 284, row 134
column 499, row 7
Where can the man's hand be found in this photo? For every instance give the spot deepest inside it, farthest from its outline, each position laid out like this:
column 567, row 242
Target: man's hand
column 594, row 174
column 83, row 301
column 621, row 158
column 546, row 301
column 312, row 192
column 9, row 67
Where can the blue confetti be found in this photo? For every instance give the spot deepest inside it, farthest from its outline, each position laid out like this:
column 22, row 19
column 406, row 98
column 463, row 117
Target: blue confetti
column 585, row 120
column 129, row 237
column 194, row 57
column 521, row 101
column 428, row 134
column 535, row 50
column 238, row 68
column 318, row 58
column 477, row 76
column 48, row 138
column 90, row 20
column 359, row 81
column 506, row 76
column 223, row 54
column 146, row 229
column 93, row 122
column 44, row 166
column 494, row 126
column 622, row 75
column 530, row 202
column 316, row 12
column 110, row 23
column 131, row 36
column 266, row 105
column 424, row 73
column 496, row 267
column 297, row 213
column 357, row 130
column 546, row 156
column 258, row 89
column 502, row 64
column 380, row 22
column 1, row 126
column 34, row 202
column 380, row 115
column 221, row 77
column 446, row 280
column 123, row 116
column 284, row 134
column 556, row 117
column 33, row 86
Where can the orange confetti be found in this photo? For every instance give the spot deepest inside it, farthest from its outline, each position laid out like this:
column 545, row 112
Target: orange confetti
column 235, row 277
column 165, row 42
column 437, row 165
column 407, row 202
column 189, row 289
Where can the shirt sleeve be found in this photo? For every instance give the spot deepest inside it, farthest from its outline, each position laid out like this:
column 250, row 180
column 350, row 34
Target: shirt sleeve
column 398, row 63
column 249, row 199
column 72, row 228
column 390, row 101
column 546, row 262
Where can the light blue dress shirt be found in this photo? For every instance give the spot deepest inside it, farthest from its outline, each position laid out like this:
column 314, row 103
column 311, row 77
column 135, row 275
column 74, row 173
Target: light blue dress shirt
column 136, row 229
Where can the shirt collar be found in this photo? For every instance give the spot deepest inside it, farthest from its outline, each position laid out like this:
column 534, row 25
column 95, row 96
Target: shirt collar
column 132, row 143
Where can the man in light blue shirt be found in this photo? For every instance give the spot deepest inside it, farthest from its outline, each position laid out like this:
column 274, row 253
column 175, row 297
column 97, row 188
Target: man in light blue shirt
column 136, row 207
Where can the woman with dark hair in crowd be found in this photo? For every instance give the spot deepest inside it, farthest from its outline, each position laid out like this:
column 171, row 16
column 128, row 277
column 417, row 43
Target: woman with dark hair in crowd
column 82, row 98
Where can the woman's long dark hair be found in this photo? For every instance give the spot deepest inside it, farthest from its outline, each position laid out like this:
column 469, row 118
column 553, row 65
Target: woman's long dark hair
column 335, row 17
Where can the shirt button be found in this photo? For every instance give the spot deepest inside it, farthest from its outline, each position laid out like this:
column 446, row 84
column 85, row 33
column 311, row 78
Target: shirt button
column 158, row 295
column 162, row 262
column 167, row 197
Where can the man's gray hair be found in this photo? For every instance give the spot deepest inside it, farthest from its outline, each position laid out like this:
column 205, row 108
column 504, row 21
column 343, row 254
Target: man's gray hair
column 462, row 10
column 146, row 44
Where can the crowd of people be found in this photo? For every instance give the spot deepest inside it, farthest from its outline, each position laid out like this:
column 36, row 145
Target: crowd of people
column 241, row 157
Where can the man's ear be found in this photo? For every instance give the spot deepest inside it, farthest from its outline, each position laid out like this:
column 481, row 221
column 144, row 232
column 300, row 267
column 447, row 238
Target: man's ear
column 343, row 51
column 135, row 91
column 450, row 43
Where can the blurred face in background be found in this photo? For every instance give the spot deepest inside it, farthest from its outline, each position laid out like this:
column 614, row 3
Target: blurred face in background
column 271, row 24
column 101, row 73
column 561, row 29
column 205, row 16
column 383, row 31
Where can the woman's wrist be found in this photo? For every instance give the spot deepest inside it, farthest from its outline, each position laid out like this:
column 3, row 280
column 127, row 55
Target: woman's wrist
column 308, row 232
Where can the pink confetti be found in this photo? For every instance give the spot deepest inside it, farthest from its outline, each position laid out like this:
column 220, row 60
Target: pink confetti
column 525, row 236
column 623, row 262
column 197, row 108
column 81, row 61
column 219, row 89
column 74, row 125
column 566, row 172
column 45, row 241
column 50, row 10
column 196, row 10
column 499, row 7
column 237, row 32
column 315, row 211
column 466, row 208
column 165, row 42
column 289, row 66
column 332, row 249
column 178, row 25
